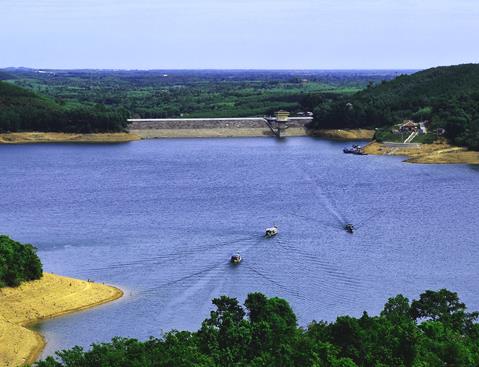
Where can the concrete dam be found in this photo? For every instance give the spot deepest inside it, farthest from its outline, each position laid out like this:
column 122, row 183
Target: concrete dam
column 218, row 127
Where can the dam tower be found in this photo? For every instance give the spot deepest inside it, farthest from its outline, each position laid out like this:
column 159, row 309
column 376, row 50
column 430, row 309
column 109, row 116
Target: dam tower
column 282, row 118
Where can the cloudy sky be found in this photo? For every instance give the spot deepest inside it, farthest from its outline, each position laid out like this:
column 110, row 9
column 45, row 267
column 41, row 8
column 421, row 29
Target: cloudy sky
column 244, row 34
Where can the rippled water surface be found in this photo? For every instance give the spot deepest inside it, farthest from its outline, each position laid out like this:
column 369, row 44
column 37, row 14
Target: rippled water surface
column 160, row 219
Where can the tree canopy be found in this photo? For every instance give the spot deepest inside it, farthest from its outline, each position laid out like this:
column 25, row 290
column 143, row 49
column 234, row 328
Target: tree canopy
column 18, row 263
column 23, row 110
column 435, row 330
column 448, row 97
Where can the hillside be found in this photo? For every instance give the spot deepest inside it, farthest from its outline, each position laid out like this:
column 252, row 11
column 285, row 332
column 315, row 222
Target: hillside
column 23, row 110
column 5, row 76
column 446, row 96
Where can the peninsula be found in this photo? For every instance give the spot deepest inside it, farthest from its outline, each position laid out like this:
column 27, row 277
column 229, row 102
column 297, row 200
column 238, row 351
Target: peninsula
column 437, row 153
column 33, row 301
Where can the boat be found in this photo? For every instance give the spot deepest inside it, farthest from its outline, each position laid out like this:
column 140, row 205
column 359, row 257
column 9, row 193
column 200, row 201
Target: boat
column 355, row 149
column 270, row 232
column 349, row 228
column 236, row 259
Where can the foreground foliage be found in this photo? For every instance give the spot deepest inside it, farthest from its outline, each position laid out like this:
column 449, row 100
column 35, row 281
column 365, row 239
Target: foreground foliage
column 18, row 263
column 448, row 97
column 435, row 330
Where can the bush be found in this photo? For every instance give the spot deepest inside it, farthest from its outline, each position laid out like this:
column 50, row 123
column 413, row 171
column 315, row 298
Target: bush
column 18, row 263
column 435, row 330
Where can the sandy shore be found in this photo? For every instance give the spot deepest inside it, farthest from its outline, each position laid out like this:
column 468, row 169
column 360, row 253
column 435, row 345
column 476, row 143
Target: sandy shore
column 346, row 134
column 40, row 137
column 48, row 297
column 212, row 133
column 427, row 153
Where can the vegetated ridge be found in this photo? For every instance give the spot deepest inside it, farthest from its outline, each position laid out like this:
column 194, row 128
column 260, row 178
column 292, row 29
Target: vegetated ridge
column 448, row 97
column 24, row 110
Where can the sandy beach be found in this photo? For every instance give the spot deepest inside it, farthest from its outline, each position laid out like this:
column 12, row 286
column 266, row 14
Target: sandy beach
column 49, row 297
column 43, row 137
column 427, row 153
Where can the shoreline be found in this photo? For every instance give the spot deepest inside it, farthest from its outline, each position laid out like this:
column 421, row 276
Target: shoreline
column 146, row 134
column 437, row 153
column 50, row 297
column 135, row 135
column 335, row 134
column 50, row 137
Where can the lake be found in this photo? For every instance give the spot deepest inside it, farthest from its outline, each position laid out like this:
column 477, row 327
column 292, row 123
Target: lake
column 160, row 219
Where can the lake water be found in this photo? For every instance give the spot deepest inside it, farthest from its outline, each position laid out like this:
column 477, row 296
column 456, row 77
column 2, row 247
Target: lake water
column 160, row 219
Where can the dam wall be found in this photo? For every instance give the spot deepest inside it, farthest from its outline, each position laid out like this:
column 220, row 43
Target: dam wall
column 211, row 123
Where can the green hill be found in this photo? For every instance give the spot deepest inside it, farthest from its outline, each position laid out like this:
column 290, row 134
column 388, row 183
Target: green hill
column 5, row 76
column 446, row 96
column 23, row 110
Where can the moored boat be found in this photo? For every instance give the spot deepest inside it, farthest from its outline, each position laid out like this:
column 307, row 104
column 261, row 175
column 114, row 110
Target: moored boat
column 355, row 149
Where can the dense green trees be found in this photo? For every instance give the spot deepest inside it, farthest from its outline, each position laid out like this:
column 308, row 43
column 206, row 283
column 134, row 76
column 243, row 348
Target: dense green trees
column 447, row 96
column 23, row 110
column 435, row 330
column 18, row 263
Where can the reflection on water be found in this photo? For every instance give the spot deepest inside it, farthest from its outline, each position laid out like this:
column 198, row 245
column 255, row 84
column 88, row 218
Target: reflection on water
column 161, row 218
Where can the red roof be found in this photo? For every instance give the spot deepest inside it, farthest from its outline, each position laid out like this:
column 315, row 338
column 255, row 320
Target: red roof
column 409, row 124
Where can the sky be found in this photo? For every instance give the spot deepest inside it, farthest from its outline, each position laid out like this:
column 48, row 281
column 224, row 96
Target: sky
column 238, row 34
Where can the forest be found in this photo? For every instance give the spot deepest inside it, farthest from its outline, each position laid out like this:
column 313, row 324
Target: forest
column 18, row 263
column 190, row 93
column 24, row 110
column 434, row 330
column 447, row 97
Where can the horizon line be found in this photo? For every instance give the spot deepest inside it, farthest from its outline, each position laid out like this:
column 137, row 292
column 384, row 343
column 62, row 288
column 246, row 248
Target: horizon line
column 213, row 69
column 233, row 69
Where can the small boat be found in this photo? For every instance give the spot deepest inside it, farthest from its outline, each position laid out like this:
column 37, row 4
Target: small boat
column 236, row 259
column 349, row 228
column 270, row 232
column 355, row 149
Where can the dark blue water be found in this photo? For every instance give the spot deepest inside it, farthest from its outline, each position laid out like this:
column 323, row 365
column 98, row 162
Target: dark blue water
column 160, row 219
